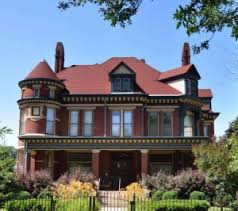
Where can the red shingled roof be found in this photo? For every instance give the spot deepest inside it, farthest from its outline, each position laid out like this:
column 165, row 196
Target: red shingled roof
column 205, row 93
column 175, row 72
column 42, row 70
column 94, row 79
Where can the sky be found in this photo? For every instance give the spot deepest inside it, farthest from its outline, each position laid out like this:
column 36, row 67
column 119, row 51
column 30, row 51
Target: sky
column 29, row 31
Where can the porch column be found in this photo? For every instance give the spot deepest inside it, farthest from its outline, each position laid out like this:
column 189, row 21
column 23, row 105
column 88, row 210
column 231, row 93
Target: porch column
column 95, row 163
column 32, row 161
column 144, row 162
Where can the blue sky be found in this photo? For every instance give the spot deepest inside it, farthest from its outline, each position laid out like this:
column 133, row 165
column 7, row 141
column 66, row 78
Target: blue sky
column 30, row 30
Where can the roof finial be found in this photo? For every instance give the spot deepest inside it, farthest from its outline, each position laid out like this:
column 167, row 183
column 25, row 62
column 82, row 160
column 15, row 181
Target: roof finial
column 186, row 54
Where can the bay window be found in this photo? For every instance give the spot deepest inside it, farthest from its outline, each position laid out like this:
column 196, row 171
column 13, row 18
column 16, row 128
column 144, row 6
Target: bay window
column 153, row 123
column 50, row 121
column 88, row 123
column 167, row 124
column 73, row 123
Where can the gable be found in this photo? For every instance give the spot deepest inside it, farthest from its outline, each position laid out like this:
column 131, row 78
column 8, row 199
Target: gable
column 122, row 68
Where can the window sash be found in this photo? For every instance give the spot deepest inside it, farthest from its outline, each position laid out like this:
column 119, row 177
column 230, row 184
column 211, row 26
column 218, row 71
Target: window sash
column 22, row 121
column 50, row 121
column 73, row 123
column 189, row 126
column 88, row 123
column 36, row 92
column 167, row 124
column 52, row 93
column 153, row 124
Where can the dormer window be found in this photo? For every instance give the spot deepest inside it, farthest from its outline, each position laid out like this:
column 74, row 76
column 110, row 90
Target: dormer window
column 122, row 79
column 191, row 87
column 122, row 84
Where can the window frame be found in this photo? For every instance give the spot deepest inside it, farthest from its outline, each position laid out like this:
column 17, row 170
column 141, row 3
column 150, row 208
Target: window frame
column 32, row 111
column 91, row 124
column 36, row 92
column 131, row 123
column 119, row 111
column 122, row 123
column 157, row 114
column 23, row 118
column 121, row 80
column 70, row 123
column 53, row 121
column 171, row 119
column 52, row 93
column 193, row 125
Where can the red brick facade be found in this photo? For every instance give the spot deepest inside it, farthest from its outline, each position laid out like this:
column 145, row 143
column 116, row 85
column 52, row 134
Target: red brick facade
column 124, row 157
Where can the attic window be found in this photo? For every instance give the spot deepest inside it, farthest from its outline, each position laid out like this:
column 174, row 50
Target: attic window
column 122, row 84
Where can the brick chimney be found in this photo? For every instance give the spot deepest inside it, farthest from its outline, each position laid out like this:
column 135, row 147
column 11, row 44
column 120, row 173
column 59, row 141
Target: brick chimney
column 186, row 54
column 59, row 57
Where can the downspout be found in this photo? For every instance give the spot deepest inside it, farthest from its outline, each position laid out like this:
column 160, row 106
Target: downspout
column 26, row 157
column 105, row 117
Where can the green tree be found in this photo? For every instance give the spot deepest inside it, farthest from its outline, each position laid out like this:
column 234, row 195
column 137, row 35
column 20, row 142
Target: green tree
column 196, row 16
column 7, row 164
column 232, row 142
column 215, row 160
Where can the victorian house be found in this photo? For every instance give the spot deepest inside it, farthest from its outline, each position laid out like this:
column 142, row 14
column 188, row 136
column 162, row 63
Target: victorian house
column 122, row 118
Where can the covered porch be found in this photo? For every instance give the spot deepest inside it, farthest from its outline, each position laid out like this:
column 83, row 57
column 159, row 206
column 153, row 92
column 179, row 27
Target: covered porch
column 114, row 168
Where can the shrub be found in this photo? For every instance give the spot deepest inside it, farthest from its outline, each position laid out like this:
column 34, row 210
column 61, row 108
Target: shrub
column 134, row 189
column 34, row 183
column 181, row 205
column 170, row 195
column 14, row 196
column 28, row 205
column 157, row 195
column 190, row 180
column 74, row 189
column 197, row 195
column 77, row 174
column 223, row 199
column 159, row 181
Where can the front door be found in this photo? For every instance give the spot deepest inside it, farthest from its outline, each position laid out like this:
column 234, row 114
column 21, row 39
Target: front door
column 122, row 169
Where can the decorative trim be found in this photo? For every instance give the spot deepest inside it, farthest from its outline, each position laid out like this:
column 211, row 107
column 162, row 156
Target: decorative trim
column 46, row 81
column 113, row 143
column 37, row 101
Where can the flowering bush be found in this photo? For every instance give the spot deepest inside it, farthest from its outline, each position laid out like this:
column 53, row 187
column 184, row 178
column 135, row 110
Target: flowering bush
column 77, row 174
column 190, row 180
column 36, row 182
column 135, row 189
column 73, row 189
column 159, row 181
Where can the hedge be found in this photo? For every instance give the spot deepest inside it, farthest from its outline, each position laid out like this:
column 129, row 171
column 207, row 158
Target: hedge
column 173, row 205
column 28, row 205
